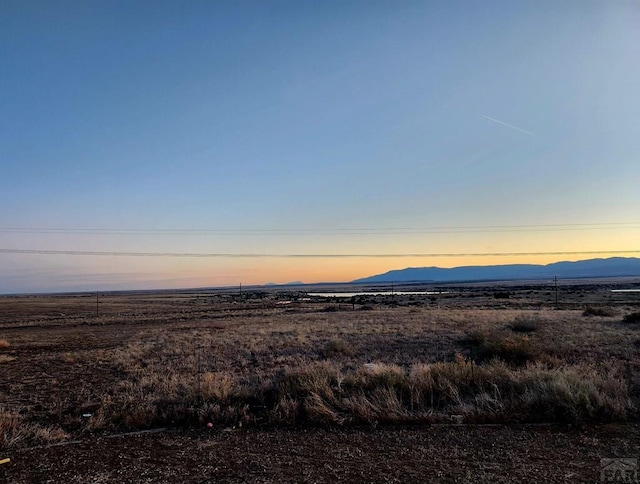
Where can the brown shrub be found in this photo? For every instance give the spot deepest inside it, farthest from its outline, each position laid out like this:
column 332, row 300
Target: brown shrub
column 16, row 431
column 336, row 347
column 523, row 324
column 598, row 311
column 632, row 318
column 514, row 350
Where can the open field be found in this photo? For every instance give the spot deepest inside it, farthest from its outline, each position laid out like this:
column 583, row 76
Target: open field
column 273, row 370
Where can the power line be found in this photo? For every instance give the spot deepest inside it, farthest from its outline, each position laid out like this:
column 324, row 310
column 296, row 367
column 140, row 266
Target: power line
column 306, row 256
column 328, row 231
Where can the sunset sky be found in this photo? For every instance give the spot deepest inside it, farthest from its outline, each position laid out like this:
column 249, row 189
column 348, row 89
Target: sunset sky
column 407, row 131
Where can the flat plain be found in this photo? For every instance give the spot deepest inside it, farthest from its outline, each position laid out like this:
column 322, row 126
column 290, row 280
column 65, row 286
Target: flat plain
column 486, row 382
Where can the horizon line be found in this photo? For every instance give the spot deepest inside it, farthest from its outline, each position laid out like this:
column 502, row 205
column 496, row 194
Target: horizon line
column 304, row 256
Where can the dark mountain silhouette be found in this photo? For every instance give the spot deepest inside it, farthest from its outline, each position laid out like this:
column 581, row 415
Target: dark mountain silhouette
column 612, row 267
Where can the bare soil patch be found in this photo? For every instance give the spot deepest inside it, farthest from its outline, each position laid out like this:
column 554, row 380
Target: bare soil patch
column 390, row 455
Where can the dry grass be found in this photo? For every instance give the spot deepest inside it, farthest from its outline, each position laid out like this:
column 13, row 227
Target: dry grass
column 431, row 393
column 277, row 378
column 189, row 364
column 15, row 430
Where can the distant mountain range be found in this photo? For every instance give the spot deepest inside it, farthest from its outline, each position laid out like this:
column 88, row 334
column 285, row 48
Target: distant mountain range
column 612, row 267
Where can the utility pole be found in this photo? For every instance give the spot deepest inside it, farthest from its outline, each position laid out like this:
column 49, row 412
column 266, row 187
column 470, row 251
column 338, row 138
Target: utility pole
column 240, row 292
column 555, row 281
column 97, row 304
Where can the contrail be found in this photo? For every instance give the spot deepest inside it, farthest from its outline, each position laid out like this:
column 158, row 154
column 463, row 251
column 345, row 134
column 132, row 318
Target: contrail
column 510, row 126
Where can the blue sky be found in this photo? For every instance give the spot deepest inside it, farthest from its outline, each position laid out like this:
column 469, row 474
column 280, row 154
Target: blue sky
column 303, row 127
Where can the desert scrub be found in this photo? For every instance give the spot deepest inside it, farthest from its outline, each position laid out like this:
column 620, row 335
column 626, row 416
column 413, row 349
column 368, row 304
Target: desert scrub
column 514, row 350
column 333, row 308
column 335, row 347
column 492, row 392
column 632, row 318
column 355, row 368
column 16, row 431
column 577, row 394
column 325, row 393
column 4, row 344
column 524, row 324
column 598, row 311
column 308, row 394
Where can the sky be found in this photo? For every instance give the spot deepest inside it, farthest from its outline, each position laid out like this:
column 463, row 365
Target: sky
column 358, row 136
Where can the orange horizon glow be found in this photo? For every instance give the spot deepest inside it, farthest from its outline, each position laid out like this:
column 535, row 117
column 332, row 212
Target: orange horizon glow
column 114, row 272
column 260, row 271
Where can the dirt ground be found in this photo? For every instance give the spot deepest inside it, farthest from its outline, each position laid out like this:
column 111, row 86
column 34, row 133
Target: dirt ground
column 429, row 454
column 57, row 364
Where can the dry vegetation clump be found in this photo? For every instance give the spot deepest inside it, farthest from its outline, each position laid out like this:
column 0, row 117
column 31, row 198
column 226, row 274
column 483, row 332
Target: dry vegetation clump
column 605, row 312
column 524, row 324
column 168, row 381
column 336, row 347
column 585, row 393
column 4, row 344
column 325, row 393
column 632, row 318
column 15, row 430
column 513, row 350
column 381, row 393
column 333, row 308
